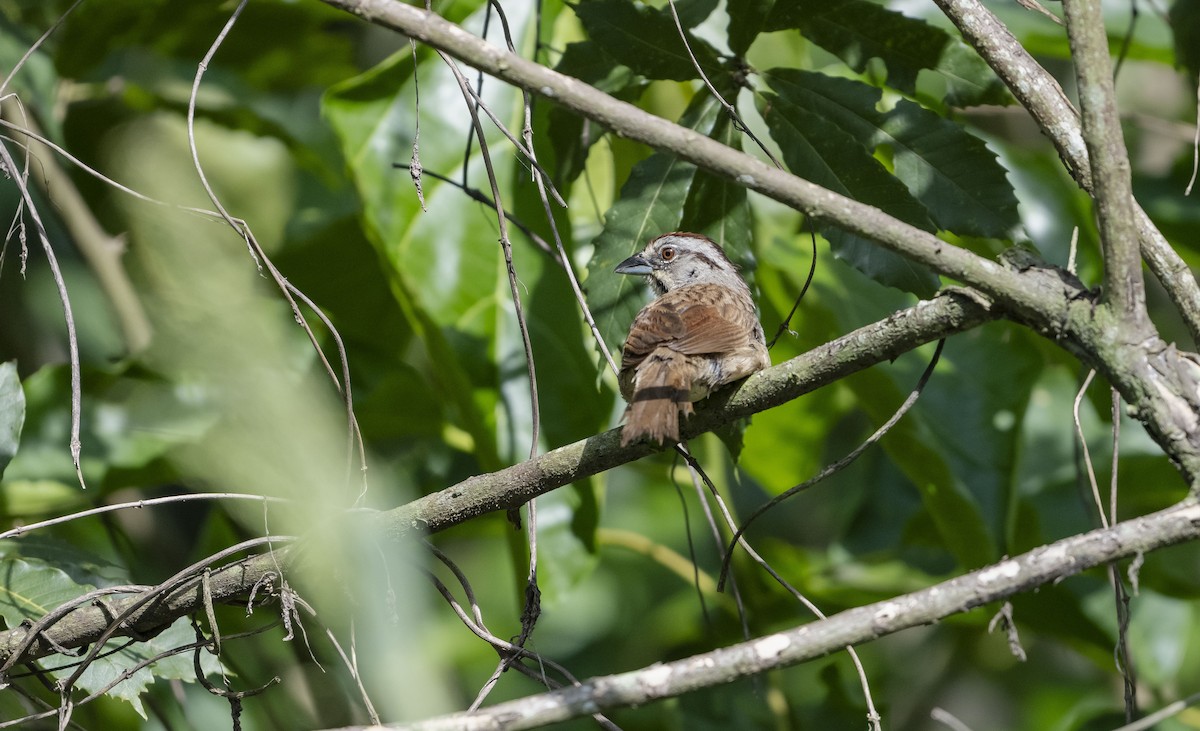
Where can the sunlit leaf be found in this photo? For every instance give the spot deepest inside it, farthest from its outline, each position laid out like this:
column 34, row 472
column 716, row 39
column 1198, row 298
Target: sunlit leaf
column 646, row 40
column 859, row 30
column 949, row 170
column 818, row 150
column 39, row 575
column 445, row 268
column 12, row 413
column 570, row 136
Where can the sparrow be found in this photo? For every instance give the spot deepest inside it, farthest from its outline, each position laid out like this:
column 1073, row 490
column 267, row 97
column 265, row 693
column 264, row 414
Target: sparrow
column 698, row 333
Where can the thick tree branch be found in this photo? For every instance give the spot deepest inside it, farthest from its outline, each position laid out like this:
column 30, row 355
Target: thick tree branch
column 1040, row 94
column 1111, row 184
column 952, row 312
column 852, row 627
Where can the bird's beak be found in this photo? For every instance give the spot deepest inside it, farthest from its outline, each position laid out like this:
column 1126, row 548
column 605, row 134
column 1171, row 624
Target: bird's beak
column 635, row 264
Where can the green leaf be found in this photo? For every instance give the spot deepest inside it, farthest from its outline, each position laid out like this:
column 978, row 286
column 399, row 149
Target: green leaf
column 966, row 427
column 646, row 40
column 858, row 30
column 818, row 150
column 693, row 12
column 719, row 208
column 1185, row 26
column 562, row 345
column 38, row 575
column 952, row 172
column 957, row 516
column 747, row 19
column 92, row 39
column 179, row 667
column 974, row 412
column 12, row 413
column 791, row 442
column 1054, row 611
column 570, row 136
column 1162, row 628
column 444, row 267
column 129, row 420
column 566, row 539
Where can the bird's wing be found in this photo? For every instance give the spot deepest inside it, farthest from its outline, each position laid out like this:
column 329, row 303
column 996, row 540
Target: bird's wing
column 682, row 321
column 657, row 324
column 707, row 328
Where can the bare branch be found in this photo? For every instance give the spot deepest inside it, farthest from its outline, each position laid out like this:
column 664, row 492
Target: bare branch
column 87, row 624
column 880, row 342
column 854, row 626
column 1111, row 183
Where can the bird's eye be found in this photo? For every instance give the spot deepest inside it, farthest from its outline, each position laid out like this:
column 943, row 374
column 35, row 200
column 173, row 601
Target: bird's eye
column 667, row 253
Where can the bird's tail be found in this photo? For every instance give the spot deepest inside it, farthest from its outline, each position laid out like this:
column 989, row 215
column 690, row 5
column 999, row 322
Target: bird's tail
column 660, row 391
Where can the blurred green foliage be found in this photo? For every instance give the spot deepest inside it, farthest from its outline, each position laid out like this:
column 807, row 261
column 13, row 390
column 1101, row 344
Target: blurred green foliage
column 306, row 119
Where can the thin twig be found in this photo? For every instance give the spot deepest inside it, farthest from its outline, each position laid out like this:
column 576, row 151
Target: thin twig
column 507, row 650
column 836, row 466
column 1195, row 148
column 699, row 480
column 943, row 716
column 786, row 325
column 1127, row 39
column 134, row 504
column 1162, row 714
column 1037, row 7
column 873, row 716
column 8, row 164
column 1120, row 597
column 101, row 251
column 1087, row 455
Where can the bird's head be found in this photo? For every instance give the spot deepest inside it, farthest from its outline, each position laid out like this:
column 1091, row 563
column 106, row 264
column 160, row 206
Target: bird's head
column 678, row 259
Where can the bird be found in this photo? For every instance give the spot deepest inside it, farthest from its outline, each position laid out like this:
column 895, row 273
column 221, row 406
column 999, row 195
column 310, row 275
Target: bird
column 699, row 332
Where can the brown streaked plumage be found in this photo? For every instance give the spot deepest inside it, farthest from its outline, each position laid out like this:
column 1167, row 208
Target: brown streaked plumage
column 700, row 332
